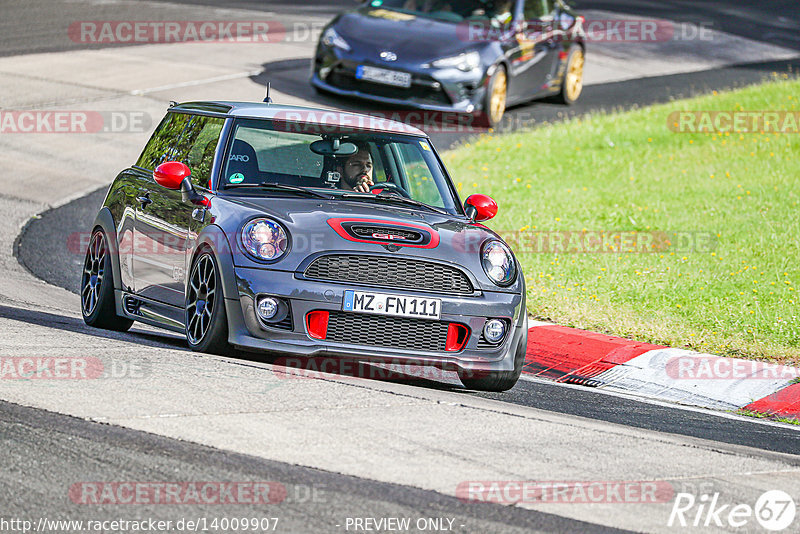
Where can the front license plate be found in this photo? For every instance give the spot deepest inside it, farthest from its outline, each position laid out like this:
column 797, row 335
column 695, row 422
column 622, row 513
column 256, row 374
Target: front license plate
column 381, row 304
column 384, row 76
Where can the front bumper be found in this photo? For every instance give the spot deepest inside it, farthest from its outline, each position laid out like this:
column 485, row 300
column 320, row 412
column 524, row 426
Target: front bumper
column 444, row 90
column 247, row 332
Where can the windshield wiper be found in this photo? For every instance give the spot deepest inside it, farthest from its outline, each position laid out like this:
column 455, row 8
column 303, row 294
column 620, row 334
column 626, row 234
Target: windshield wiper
column 280, row 187
column 393, row 198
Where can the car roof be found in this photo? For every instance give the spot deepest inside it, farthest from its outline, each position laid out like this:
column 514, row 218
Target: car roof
column 303, row 114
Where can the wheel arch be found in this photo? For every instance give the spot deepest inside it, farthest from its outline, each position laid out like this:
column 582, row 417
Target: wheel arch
column 105, row 222
column 214, row 238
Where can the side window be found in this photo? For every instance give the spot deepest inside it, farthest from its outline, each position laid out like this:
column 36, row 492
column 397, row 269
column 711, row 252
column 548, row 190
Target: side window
column 197, row 146
column 160, row 144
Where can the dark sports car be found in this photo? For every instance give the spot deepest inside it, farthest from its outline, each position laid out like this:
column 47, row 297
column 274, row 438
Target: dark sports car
column 466, row 56
column 310, row 233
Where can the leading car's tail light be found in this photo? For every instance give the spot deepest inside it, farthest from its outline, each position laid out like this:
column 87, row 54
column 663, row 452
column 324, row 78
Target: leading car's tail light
column 457, row 336
column 317, row 324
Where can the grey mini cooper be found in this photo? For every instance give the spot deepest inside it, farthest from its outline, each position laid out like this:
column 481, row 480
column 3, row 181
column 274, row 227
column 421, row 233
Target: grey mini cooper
column 310, row 233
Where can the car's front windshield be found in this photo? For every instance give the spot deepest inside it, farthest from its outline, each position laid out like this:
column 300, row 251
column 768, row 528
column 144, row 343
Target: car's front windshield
column 452, row 10
column 268, row 158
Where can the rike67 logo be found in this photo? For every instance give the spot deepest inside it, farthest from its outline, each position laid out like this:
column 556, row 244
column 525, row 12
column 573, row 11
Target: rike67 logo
column 774, row 510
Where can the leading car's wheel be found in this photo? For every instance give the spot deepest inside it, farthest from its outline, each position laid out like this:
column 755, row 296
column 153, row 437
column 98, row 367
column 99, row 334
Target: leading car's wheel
column 97, row 287
column 572, row 86
column 206, row 320
column 497, row 381
column 494, row 106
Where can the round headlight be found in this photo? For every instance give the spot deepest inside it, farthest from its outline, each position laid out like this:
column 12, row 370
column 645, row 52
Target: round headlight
column 264, row 239
column 498, row 263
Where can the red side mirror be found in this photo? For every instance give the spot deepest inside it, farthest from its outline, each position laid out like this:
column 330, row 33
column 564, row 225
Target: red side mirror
column 171, row 174
column 480, row 208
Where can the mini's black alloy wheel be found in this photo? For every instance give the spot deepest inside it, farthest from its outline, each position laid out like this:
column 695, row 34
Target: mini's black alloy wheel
column 97, row 287
column 206, row 320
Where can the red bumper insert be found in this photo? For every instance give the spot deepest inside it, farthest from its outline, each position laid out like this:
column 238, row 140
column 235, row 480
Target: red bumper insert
column 317, row 324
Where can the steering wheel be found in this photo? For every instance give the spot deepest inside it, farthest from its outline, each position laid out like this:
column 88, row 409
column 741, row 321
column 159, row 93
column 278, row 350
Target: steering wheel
column 389, row 188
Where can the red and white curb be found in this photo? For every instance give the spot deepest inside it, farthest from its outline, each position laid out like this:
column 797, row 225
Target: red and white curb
column 674, row 375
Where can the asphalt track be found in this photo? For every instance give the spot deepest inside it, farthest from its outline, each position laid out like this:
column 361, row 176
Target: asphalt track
column 65, row 448
column 42, row 449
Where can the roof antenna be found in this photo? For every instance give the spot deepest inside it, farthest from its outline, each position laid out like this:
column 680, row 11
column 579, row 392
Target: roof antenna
column 267, row 99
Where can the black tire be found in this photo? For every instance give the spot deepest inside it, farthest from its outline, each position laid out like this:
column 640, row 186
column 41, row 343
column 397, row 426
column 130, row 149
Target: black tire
column 205, row 317
column 569, row 93
column 501, row 380
column 97, row 287
column 492, row 114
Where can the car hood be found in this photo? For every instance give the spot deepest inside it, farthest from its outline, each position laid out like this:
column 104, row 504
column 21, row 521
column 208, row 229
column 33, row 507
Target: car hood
column 415, row 40
column 312, row 225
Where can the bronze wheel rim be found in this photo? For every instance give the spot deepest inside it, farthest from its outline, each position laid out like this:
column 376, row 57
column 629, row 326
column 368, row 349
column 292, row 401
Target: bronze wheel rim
column 574, row 84
column 498, row 100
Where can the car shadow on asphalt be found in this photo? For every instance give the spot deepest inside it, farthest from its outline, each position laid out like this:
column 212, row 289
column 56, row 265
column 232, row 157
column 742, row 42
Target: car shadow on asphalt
column 76, row 325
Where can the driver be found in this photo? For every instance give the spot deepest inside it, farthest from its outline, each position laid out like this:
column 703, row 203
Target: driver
column 356, row 170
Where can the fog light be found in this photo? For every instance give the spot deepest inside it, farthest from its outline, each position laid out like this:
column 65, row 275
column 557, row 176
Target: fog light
column 267, row 308
column 494, row 330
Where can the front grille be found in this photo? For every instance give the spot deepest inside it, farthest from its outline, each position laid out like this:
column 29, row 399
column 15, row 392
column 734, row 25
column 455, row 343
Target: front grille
column 369, row 231
column 285, row 323
column 395, row 332
column 397, row 273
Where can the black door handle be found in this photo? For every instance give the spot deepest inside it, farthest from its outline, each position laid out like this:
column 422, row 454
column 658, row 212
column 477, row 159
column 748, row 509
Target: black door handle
column 144, row 201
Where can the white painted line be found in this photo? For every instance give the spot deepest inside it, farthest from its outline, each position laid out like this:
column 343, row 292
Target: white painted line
column 193, row 83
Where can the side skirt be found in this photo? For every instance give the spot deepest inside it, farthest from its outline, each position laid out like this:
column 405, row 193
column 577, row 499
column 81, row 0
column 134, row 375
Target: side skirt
column 150, row 312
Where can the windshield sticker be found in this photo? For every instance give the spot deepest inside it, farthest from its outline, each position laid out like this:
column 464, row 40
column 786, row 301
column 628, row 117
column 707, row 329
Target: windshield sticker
column 425, row 146
column 334, row 177
column 390, row 15
column 236, row 178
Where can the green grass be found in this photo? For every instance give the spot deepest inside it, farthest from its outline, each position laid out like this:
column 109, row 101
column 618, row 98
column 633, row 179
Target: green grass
column 736, row 295
column 759, row 415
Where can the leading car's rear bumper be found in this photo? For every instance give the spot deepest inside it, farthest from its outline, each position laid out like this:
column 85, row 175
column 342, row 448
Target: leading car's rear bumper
column 248, row 333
